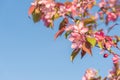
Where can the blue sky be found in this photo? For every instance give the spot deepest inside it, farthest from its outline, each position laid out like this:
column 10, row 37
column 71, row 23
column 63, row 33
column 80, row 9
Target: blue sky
column 28, row 51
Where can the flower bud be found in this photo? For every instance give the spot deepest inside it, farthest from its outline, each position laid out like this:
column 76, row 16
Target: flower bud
column 105, row 55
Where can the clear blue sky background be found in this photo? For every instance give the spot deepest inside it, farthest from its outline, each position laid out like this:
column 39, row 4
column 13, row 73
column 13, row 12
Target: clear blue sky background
column 28, row 51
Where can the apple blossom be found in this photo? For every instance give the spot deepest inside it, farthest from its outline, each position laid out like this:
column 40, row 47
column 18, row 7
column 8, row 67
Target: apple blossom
column 90, row 74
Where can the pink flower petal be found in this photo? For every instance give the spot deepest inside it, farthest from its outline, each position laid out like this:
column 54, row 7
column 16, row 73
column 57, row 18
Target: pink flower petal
column 74, row 46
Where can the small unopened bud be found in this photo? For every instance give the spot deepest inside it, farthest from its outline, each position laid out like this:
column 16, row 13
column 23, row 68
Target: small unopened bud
column 105, row 55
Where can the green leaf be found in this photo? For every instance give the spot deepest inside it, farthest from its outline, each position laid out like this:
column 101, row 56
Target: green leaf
column 36, row 17
column 50, row 25
column 67, row 34
column 74, row 54
column 100, row 44
column 92, row 41
column 89, row 20
column 56, row 16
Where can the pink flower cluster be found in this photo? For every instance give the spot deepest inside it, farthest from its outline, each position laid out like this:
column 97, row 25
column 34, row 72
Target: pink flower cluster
column 110, row 8
column 49, row 9
column 90, row 74
column 77, row 37
column 106, row 3
column 115, row 59
column 111, row 16
column 106, row 41
column 114, row 74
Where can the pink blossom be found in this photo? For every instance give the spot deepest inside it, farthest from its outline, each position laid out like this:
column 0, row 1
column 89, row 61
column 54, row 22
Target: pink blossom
column 77, row 40
column 84, row 78
column 75, row 46
column 74, row 36
column 115, row 59
column 62, row 10
column 70, row 27
column 72, row 9
column 47, row 2
column 106, row 40
column 47, row 22
column 47, row 6
column 90, row 73
column 99, row 36
column 111, row 16
column 102, row 3
column 80, row 28
column 77, row 37
column 108, row 45
column 109, row 42
column 48, row 11
column 42, row 1
column 112, row 3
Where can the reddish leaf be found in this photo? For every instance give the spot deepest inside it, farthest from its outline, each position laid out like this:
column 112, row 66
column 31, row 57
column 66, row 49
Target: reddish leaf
column 31, row 9
column 87, row 48
column 61, row 27
column 83, row 53
column 74, row 54
column 59, row 32
column 63, row 23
